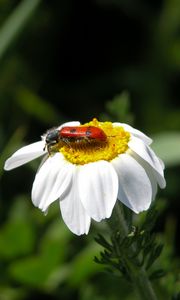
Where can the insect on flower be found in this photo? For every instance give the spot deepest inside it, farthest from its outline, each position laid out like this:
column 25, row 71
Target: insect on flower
column 88, row 167
column 73, row 134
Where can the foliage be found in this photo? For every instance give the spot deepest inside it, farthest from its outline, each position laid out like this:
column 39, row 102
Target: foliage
column 139, row 246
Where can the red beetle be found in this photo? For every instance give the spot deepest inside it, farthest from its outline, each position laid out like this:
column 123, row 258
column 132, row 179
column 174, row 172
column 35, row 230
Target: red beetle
column 80, row 132
column 70, row 134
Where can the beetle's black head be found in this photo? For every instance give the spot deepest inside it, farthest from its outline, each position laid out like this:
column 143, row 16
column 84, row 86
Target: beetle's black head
column 52, row 136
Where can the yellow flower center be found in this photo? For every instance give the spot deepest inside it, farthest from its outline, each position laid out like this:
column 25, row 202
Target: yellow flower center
column 84, row 151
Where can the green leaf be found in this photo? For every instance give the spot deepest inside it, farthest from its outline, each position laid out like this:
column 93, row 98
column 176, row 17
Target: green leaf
column 157, row 274
column 32, row 271
column 10, row 293
column 55, row 242
column 118, row 109
column 37, row 269
column 167, row 147
column 154, row 254
column 16, row 239
column 83, row 266
column 103, row 242
column 16, row 22
column 35, row 106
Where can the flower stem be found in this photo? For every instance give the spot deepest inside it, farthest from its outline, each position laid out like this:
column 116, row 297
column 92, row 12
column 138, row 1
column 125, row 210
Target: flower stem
column 138, row 275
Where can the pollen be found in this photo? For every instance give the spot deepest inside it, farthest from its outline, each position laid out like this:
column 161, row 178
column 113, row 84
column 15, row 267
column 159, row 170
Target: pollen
column 84, row 151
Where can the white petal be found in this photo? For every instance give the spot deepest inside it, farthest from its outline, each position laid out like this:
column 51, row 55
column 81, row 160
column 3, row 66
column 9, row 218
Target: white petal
column 98, row 189
column 150, row 172
column 134, row 185
column 72, row 123
column 51, row 181
column 135, row 132
column 72, row 210
column 162, row 163
column 153, row 181
column 150, row 157
column 24, row 155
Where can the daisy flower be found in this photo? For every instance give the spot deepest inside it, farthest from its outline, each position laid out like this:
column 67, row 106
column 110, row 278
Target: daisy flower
column 88, row 167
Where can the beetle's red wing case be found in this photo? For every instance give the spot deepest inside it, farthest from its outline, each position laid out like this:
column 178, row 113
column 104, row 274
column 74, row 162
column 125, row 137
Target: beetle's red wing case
column 80, row 132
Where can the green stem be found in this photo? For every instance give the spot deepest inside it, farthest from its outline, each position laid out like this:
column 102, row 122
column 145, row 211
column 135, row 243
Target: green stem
column 15, row 23
column 142, row 285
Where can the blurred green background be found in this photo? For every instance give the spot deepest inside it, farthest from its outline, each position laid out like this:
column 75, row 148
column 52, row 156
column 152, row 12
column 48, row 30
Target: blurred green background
column 64, row 60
